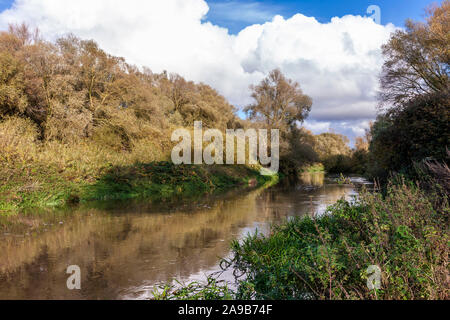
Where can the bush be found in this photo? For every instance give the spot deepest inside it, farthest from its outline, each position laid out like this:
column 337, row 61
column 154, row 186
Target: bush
column 18, row 138
column 326, row 258
column 212, row 290
column 418, row 131
column 338, row 164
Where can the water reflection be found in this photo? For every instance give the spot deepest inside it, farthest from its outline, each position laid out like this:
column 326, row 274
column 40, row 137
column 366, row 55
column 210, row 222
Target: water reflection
column 124, row 252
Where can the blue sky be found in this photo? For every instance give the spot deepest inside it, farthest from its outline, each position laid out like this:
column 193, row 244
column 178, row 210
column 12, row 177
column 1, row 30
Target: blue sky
column 236, row 15
column 4, row 4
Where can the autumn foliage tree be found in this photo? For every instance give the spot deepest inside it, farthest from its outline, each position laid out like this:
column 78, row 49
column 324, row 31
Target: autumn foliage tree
column 417, row 59
column 12, row 97
column 76, row 92
column 279, row 102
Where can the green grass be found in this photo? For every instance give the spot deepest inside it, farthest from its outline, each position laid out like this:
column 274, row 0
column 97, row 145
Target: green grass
column 164, row 180
column 405, row 233
column 211, row 290
column 314, row 168
column 34, row 188
column 46, row 188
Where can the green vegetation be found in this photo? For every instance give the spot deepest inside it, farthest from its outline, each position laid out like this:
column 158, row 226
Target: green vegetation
column 404, row 233
column 401, row 227
column 165, row 181
column 404, row 229
column 330, row 152
column 418, row 131
column 78, row 124
column 414, row 125
column 154, row 181
column 212, row 290
column 314, row 168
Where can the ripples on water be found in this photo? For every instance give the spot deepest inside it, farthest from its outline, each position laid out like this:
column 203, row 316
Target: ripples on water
column 125, row 251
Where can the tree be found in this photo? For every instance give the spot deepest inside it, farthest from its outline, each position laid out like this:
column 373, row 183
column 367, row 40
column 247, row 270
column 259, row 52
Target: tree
column 74, row 91
column 415, row 80
column 333, row 151
column 417, row 59
column 420, row 131
column 331, row 144
column 180, row 92
column 279, row 102
column 363, row 143
column 439, row 21
column 12, row 96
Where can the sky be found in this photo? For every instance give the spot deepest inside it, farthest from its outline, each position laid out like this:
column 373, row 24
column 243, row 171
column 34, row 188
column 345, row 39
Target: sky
column 238, row 14
column 332, row 48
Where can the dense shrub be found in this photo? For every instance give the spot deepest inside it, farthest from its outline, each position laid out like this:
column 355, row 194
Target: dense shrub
column 74, row 91
column 418, row 131
column 69, row 110
column 338, row 164
column 18, row 138
column 327, row 257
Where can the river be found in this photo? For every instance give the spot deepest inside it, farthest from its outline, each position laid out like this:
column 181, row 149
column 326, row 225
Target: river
column 125, row 249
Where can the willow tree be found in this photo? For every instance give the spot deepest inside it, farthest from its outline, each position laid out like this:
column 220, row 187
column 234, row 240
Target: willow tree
column 279, row 102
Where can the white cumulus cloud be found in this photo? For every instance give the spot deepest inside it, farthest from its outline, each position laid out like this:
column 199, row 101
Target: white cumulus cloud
column 336, row 63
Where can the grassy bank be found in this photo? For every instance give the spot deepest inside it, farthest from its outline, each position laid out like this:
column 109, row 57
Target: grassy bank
column 42, row 174
column 404, row 233
column 45, row 187
column 313, row 168
column 163, row 180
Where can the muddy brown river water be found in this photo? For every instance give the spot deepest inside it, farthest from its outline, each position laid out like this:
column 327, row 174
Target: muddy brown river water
column 125, row 249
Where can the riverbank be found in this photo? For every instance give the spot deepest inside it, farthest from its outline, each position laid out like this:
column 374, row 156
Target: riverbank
column 38, row 188
column 401, row 235
column 404, row 235
column 134, row 242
